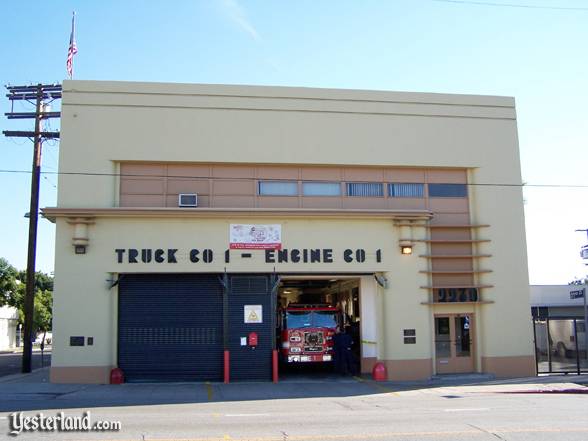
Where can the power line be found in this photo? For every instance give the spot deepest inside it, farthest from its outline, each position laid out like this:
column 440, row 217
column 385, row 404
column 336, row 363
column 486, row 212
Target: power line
column 50, row 182
column 131, row 175
column 513, row 5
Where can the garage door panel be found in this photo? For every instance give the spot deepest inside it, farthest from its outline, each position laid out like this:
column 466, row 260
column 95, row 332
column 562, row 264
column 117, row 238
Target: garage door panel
column 170, row 327
column 248, row 363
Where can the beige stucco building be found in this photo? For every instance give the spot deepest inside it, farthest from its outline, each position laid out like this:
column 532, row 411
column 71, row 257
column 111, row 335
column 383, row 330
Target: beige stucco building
column 344, row 181
column 8, row 321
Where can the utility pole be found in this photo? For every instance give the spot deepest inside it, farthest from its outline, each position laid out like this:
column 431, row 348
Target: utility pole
column 40, row 94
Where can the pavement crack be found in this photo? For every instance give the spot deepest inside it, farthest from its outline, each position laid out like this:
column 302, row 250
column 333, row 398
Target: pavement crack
column 488, row 432
column 343, row 405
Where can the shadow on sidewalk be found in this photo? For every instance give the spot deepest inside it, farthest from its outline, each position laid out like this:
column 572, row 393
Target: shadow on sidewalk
column 34, row 391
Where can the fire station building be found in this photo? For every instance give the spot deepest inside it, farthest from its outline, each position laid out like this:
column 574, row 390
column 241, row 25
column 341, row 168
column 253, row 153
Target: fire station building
column 190, row 216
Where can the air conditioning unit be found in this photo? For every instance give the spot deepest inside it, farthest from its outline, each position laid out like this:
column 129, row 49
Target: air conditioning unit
column 187, row 200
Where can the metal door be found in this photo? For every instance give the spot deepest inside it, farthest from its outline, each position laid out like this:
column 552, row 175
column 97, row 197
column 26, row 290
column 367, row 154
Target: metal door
column 170, row 327
column 251, row 294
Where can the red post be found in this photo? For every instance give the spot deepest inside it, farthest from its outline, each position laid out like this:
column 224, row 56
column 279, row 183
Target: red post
column 275, row 366
column 227, row 366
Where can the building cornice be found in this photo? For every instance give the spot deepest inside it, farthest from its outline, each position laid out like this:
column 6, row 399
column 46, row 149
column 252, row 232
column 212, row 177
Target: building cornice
column 53, row 213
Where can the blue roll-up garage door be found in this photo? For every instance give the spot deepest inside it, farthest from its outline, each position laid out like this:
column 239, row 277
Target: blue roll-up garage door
column 170, row 327
column 249, row 363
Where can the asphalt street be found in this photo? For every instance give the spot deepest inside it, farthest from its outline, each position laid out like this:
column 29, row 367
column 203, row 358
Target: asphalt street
column 341, row 409
column 10, row 363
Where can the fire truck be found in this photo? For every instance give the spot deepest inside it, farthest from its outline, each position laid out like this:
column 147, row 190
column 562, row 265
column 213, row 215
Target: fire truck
column 306, row 332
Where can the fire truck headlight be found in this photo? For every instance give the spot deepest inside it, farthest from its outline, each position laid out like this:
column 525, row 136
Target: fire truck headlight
column 294, row 349
column 285, row 344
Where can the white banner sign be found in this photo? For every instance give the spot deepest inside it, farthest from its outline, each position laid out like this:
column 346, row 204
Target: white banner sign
column 251, row 237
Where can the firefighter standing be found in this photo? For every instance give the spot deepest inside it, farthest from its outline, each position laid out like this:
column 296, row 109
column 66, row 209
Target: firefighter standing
column 342, row 343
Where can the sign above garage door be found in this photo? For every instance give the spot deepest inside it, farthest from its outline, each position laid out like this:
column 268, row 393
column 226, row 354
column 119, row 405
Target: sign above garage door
column 255, row 237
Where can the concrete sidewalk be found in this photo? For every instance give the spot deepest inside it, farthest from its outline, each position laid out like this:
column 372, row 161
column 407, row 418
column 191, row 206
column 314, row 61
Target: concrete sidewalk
column 34, row 391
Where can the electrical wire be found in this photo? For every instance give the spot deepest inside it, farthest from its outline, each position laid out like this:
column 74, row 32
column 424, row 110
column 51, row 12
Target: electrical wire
column 50, row 182
column 131, row 175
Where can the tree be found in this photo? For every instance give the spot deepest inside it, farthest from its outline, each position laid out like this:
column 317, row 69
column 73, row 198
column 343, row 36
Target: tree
column 12, row 293
column 8, row 283
column 43, row 316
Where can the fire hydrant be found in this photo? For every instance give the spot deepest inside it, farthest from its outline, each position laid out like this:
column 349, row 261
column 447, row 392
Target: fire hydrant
column 117, row 376
column 379, row 372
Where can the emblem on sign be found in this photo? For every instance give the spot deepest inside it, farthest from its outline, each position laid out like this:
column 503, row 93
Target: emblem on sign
column 251, row 237
column 252, row 314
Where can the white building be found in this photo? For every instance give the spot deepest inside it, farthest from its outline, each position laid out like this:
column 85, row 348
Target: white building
column 558, row 300
column 8, row 321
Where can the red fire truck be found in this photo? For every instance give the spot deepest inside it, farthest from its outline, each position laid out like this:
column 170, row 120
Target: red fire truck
column 306, row 332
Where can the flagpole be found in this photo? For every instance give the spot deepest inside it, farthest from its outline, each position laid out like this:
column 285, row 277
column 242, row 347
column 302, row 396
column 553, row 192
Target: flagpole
column 72, row 50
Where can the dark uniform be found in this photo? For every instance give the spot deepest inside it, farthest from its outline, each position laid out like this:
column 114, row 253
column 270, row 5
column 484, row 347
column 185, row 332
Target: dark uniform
column 342, row 343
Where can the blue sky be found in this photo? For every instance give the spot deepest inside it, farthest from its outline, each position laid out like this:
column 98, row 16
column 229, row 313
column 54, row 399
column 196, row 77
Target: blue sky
column 536, row 53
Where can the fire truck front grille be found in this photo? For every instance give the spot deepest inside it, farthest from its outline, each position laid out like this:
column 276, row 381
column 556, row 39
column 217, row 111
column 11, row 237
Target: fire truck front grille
column 313, row 341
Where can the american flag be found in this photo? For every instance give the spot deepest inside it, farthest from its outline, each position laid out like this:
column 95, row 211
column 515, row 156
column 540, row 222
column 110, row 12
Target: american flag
column 73, row 49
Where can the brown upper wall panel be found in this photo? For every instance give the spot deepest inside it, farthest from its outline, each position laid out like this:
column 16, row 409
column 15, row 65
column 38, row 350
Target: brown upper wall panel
column 447, row 176
column 278, row 202
column 233, row 202
column 235, row 185
column 452, row 279
column 450, row 219
column 239, row 187
column 363, row 174
column 322, row 202
column 406, row 203
column 361, row 202
column 141, row 200
column 449, row 205
column 321, row 173
column 453, row 249
column 142, row 186
column 271, row 172
column 233, row 171
column 451, row 233
column 189, row 171
column 139, row 169
column 441, row 264
column 404, row 175
column 176, row 186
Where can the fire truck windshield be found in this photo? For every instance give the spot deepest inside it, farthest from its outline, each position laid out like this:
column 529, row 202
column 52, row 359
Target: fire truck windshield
column 308, row 319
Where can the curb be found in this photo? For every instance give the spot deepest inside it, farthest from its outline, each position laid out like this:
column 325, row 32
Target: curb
column 9, row 378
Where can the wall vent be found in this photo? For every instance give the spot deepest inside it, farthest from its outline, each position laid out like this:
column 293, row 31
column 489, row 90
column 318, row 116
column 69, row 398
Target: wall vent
column 187, row 200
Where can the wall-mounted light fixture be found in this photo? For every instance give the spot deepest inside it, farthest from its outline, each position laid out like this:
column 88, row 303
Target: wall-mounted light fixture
column 405, row 246
column 406, row 249
column 80, row 239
